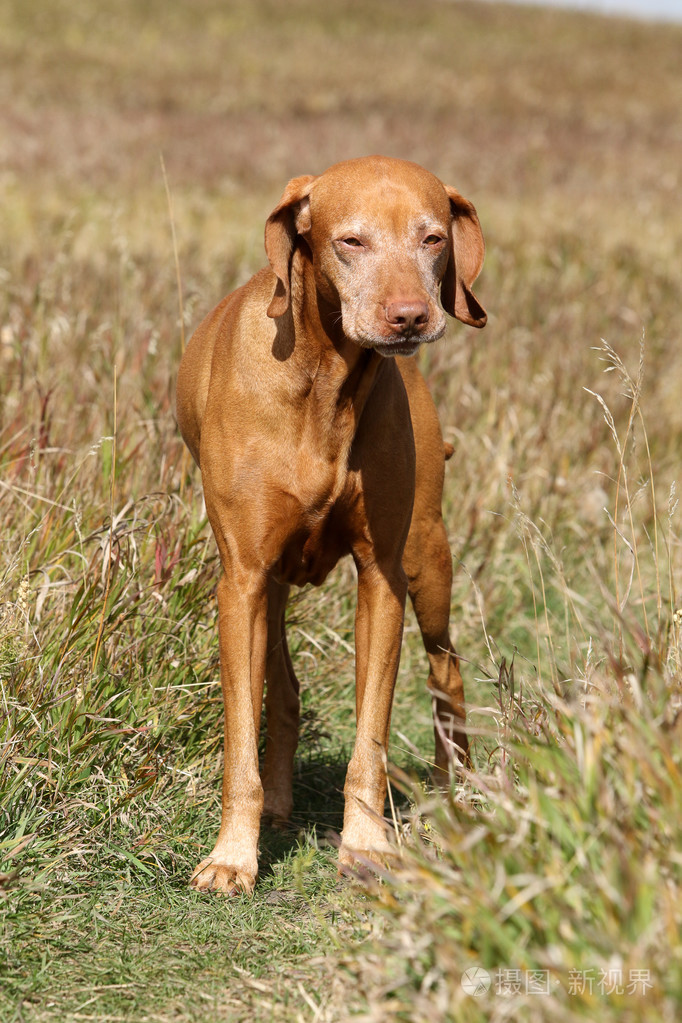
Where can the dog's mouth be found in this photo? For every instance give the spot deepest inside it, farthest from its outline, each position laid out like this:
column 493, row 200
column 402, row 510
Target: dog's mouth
column 407, row 342
column 386, row 342
column 399, row 346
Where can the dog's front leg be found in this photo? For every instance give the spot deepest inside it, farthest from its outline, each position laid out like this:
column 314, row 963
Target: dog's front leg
column 378, row 635
column 242, row 608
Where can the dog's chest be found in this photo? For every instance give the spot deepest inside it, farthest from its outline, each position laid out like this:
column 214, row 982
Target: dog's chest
column 324, row 533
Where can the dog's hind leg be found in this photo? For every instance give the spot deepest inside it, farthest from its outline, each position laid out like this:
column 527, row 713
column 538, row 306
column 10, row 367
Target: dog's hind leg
column 428, row 565
column 282, row 712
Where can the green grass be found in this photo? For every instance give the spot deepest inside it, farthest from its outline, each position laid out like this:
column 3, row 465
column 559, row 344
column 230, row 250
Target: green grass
column 561, row 866
column 560, row 854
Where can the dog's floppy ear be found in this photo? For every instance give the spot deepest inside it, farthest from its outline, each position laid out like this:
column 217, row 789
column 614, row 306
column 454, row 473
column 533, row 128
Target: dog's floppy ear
column 291, row 216
column 467, row 250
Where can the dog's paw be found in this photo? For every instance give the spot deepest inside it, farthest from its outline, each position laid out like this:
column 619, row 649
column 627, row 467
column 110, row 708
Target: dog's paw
column 221, row 878
column 276, row 811
column 365, row 863
column 275, row 822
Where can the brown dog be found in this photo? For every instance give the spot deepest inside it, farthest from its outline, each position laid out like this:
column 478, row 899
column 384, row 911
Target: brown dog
column 314, row 442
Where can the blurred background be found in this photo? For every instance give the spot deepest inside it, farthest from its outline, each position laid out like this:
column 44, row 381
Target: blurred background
column 648, row 10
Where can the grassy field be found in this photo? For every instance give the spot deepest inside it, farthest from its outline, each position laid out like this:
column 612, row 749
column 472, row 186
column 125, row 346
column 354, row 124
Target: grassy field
column 557, row 865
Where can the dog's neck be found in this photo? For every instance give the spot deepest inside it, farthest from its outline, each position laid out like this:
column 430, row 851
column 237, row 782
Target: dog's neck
column 341, row 373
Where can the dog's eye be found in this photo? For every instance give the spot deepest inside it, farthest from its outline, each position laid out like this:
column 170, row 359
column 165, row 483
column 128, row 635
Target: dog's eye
column 352, row 240
column 433, row 239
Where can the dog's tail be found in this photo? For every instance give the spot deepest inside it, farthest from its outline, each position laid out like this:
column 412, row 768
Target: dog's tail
column 448, row 450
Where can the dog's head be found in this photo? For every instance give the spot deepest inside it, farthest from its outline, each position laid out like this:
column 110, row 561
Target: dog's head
column 384, row 236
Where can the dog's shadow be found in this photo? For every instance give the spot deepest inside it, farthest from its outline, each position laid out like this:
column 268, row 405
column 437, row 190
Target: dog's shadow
column 318, row 809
